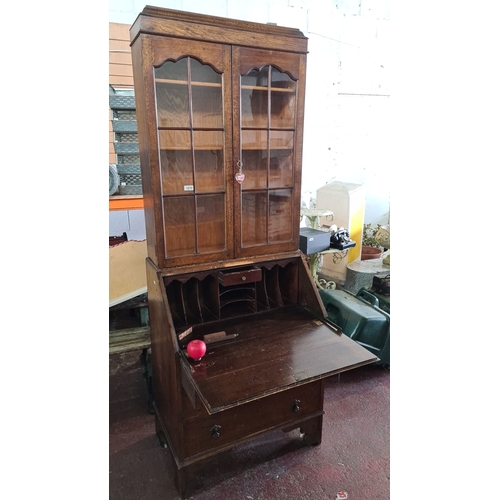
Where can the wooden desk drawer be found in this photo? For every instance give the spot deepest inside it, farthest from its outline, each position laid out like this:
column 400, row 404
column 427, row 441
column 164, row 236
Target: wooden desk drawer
column 203, row 432
column 245, row 275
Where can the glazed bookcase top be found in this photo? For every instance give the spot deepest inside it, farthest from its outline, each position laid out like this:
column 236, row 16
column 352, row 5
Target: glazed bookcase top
column 220, row 112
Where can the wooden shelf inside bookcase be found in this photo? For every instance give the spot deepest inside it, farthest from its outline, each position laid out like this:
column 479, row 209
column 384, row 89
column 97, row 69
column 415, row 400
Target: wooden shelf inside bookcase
column 219, row 85
column 273, row 89
column 184, row 82
column 196, row 148
column 260, row 148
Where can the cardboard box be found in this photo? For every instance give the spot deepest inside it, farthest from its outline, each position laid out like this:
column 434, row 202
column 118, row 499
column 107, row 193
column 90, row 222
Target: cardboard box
column 127, row 271
column 313, row 240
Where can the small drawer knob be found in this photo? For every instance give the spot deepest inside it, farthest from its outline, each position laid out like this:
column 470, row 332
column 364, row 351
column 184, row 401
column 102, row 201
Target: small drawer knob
column 215, row 431
column 295, row 405
column 243, row 278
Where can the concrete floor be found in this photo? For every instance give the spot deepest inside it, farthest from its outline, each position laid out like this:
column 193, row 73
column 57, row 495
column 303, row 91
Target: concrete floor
column 353, row 456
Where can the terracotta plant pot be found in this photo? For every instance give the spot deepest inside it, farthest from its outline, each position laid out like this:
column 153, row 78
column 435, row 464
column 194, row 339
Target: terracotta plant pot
column 368, row 253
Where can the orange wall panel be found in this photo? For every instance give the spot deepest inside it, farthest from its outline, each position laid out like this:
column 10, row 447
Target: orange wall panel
column 119, row 46
column 122, row 81
column 119, row 31
column 120, row 58
column 120, row 70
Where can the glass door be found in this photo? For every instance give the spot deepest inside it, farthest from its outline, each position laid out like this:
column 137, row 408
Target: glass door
column 265, row 166
column 191, row 137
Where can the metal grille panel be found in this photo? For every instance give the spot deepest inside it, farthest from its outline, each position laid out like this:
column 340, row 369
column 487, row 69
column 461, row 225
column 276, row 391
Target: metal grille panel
column 126, row 137
column 122, row 102
column 133, row 179
column 129, row 169
column 129, row 126
column 131, row 189
column 124, row 148
column 124, row 115
column 131, row 159
column 124, row 123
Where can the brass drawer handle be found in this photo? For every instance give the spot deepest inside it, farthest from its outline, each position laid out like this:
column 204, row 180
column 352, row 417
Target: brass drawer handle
column 215, row 431
column 295, row 405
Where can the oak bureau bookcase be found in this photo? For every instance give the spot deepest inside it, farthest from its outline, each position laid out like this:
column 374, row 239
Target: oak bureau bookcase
column 220, row 112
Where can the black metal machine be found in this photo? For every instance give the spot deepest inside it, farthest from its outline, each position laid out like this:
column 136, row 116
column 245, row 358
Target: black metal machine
column 340, row 239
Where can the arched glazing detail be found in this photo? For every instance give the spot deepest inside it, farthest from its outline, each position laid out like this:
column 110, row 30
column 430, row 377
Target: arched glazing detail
column 189, row 110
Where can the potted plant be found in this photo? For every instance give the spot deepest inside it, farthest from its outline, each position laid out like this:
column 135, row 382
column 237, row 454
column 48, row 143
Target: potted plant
column 370, row 248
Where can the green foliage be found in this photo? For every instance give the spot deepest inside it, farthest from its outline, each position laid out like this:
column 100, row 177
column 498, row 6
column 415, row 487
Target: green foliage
column 369, row 236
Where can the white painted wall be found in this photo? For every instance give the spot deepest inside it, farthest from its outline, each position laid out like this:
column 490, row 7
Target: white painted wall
column 347, row 90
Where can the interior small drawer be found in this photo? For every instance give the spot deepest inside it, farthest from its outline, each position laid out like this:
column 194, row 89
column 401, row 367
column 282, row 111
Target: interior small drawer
column 242, row 275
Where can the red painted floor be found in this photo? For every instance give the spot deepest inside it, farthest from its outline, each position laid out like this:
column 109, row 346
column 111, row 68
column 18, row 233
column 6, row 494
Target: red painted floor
column 353, row 456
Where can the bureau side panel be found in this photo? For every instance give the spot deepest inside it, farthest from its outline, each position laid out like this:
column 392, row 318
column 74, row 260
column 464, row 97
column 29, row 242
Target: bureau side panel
column 164, row 360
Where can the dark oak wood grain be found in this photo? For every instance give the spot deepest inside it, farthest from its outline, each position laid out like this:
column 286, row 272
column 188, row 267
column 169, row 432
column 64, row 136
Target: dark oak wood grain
column 274, row 351
column 220, row 111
